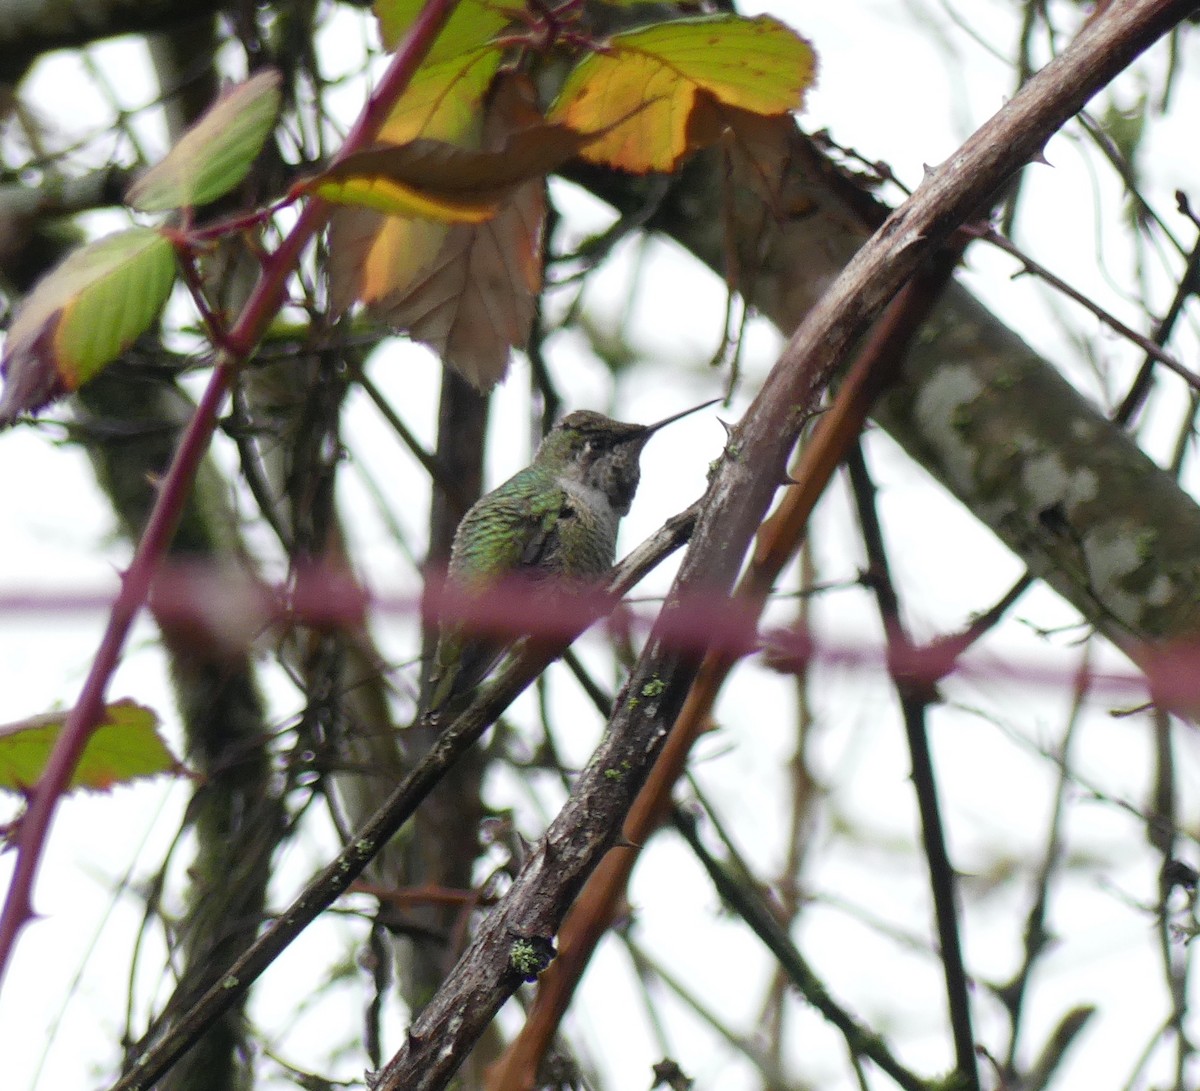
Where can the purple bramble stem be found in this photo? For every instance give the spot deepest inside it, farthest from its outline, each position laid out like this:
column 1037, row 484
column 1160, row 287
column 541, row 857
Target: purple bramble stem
column 264, row 302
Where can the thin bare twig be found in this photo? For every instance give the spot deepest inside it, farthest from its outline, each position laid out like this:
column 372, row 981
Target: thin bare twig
column 915, row 699
column 751, row 907
column 1150, row 347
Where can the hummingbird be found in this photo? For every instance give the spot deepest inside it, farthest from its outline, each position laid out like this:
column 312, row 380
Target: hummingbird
column 554, row 521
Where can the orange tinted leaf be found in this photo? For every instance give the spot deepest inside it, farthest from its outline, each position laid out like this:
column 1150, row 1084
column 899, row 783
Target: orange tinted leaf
column 82, row 315
column 125, row 746
column 372, row 255
column 468, row 290
column 475, row 301
column 215, row 154
column 756, row 64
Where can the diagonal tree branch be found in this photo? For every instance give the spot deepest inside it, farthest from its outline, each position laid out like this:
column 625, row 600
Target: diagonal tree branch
column 29, row 29
column 977, row 407
column 742, row 487
column 370, row 839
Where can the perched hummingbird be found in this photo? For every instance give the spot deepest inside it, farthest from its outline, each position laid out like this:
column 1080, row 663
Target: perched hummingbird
column 555, row 519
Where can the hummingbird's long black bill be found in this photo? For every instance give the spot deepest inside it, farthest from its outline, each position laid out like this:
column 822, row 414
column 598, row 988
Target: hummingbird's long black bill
column 652, row 428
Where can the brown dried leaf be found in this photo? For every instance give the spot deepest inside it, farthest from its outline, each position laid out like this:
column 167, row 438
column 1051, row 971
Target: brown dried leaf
column 373, row 256
column 477, row 299
column 467, row 290
column 758, row 146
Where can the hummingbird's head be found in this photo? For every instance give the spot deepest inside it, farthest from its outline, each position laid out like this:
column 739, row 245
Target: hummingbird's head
column 601, row 453
column 598, row 452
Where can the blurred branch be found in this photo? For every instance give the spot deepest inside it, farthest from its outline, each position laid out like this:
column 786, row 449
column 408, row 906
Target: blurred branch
column 749, row 1045
column 749, row 904
column 1047, row 1063
column 29, row 28
column 1162, row 822
column 1012, row 994
column 65, row 196
column 1189, row 284
column 1128, row 176
column 806, row 791
column 915, row 699
column 445, row 836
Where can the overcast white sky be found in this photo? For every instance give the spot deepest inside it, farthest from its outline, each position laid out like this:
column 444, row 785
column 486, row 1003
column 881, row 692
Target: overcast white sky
column 900, row 82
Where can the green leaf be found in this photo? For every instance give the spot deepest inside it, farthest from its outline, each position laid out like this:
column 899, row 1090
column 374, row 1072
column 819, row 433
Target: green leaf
column 83, row 314
column 641, row 92
column 473, row 23
column 124, row 747
column 216, row 153
column 443, row 102
column 116, row 308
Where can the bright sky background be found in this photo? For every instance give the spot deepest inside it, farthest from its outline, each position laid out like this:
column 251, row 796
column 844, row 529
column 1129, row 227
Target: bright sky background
column 902, row 82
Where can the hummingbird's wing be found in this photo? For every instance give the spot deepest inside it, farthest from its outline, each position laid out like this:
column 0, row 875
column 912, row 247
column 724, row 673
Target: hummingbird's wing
column 509, row 531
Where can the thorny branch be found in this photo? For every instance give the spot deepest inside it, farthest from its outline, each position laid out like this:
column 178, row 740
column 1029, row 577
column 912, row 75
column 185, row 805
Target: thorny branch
column 367, row 841
column 741, row 490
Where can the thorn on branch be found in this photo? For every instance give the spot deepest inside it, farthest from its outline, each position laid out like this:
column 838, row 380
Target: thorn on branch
column 667, row 1073
column 1176, row 873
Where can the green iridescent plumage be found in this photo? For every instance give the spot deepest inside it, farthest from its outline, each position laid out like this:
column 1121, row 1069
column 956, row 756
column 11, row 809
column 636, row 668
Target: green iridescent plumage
column 555, row 520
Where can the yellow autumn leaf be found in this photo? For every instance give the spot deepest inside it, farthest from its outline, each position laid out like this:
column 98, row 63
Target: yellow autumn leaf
column 473, row 23
column 640, row 93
